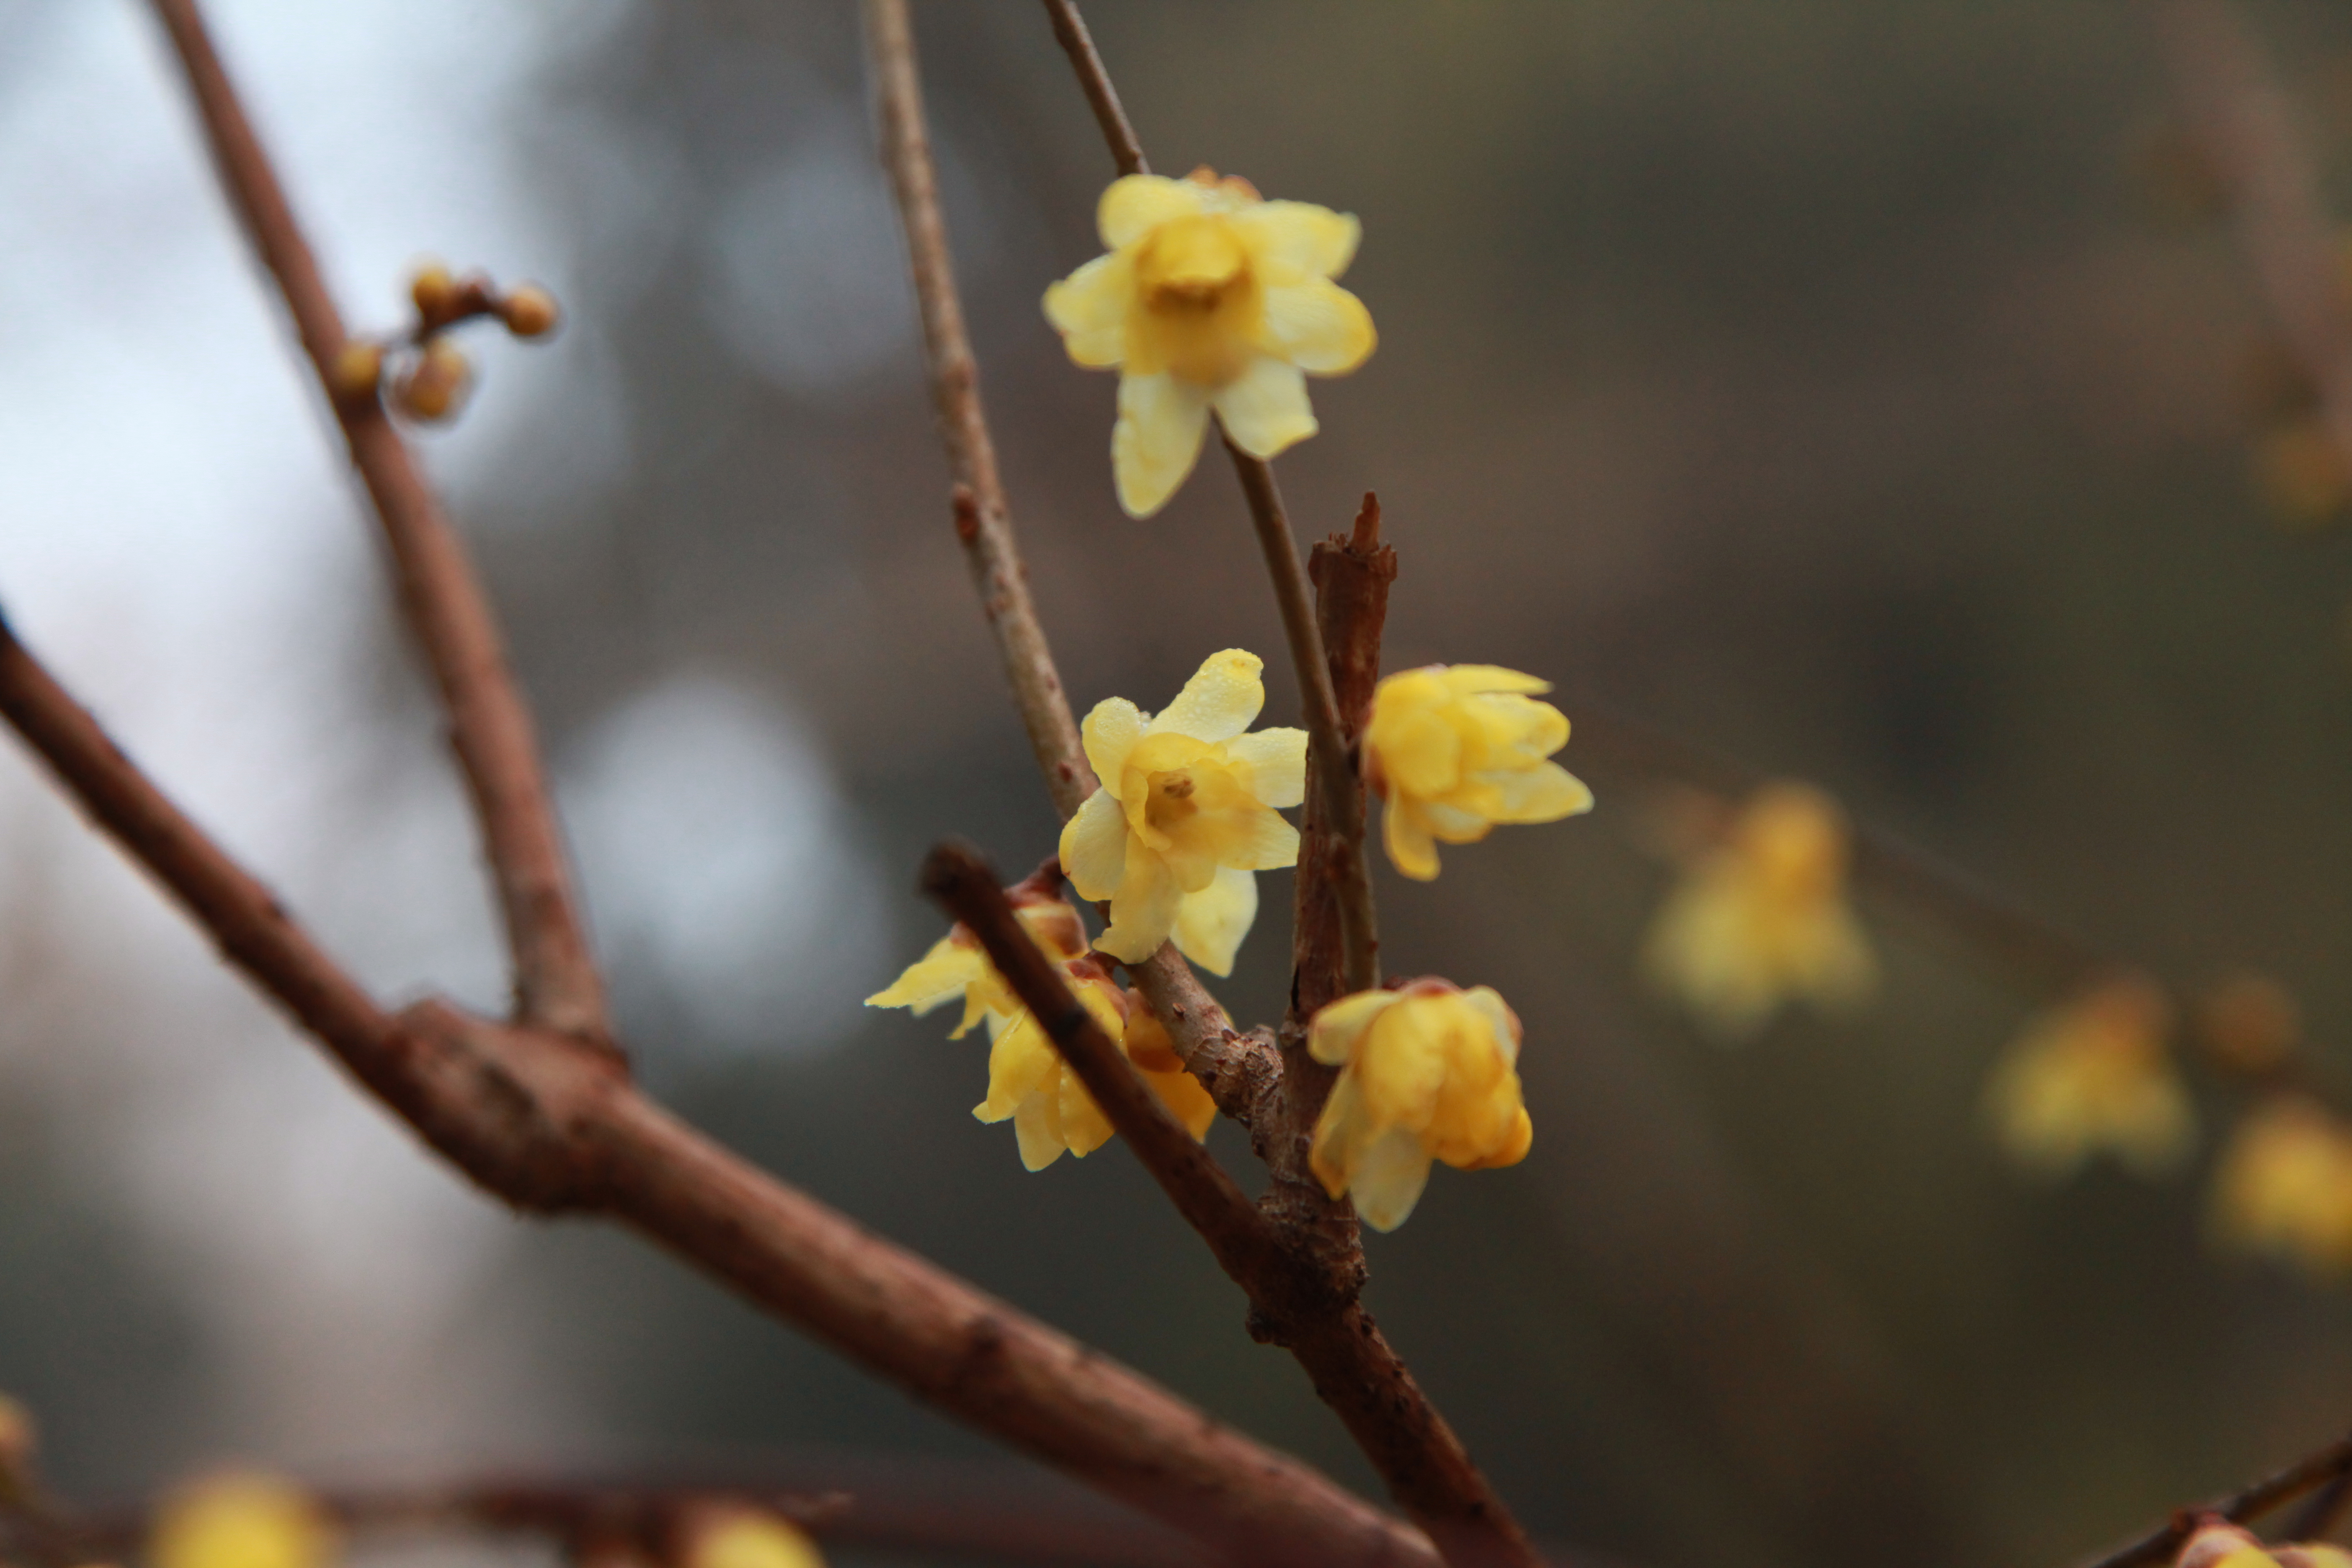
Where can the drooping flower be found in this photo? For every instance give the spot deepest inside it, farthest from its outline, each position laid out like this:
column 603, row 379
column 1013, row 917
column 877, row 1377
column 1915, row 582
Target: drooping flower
column 241, row 1520
column 1185, row 814
column 956, row 969
column 1761, row 916
column 2217, row 1543
column 2284, row 1186
column 1050, row 1109
column 1427, row 1072
column 750, row 1537
column 1455, row 748
column 2091, row 1075
column 1209, row 298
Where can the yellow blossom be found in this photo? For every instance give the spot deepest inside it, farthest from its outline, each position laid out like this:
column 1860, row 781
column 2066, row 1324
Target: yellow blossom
column 751, row 1538
column 2284, row 1186
column 1455, row 749
column 1427, row 1072
column 241, row 1521
column 1209, row 298
column 2094, row 1074
column 1051, row 1111
column 2217, row 1543
column 955, row 968
column 1185, row 814
column 1762, row 917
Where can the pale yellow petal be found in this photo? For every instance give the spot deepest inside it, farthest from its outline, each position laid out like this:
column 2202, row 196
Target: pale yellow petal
column 1037, row 1126
column 1143, row 910
column 1020, row 1059
column 1412, row 848
column 1315, row 325
column 1186, row 1100
column 1265, row 408
column 1387, row 1180
column 1094, row 847
column 1277, row 760
column 1109, row 734
column 937, row 977
column 1468, row 679
column 1336, row 1029
column 1420, row 752
column 1211, row 923
column 1314, row 239
column 1340, row 1134
column 1221, row 700
column 1084, row 1128
column 1162, row 422
column 1257, row 840
column 1136, row 204
column 1504, row 1024
column 1089, row 308
column 1545, row 793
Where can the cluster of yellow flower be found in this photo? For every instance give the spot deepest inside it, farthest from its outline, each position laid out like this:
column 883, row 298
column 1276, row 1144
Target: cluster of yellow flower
column 1214, row 300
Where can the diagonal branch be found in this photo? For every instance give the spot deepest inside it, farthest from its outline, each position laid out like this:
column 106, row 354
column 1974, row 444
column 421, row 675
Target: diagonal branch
column 552, row 1129
column 1294, row 1303
column 555, row 981
column 2308, row 1474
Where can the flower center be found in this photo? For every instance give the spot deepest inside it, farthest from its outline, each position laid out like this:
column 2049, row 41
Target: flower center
column 1189, row 265
column 1171, row 804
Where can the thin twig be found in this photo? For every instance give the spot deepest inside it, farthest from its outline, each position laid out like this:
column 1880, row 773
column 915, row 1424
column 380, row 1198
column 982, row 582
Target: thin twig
column 555, row 979
column 1329, row 759
column 984, row 520
column 2313, row 1470
column 550, row 1128
column 2241, row 120
column 1293, row 1302
column 2320, row 1511
column 1070, row 32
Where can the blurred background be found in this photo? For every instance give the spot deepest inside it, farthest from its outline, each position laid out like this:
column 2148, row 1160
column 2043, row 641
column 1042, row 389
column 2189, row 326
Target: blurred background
column 1816, row 380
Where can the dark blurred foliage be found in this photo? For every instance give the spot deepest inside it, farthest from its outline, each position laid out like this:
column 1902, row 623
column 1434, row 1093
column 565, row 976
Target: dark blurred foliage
column 1814, row 380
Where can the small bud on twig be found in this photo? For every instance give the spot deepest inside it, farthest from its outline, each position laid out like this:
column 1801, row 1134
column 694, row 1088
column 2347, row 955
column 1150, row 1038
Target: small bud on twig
column 435, row 291
column 530, row 311
column 357, row 369
column 434, row 385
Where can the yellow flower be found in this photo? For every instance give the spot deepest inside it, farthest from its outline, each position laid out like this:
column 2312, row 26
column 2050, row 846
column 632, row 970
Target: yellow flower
column 2217, row 1543
column 1209, row 298
column 1454, row 750
column 241, row 1521
column 1051, row 1111
column 751, row 1538
column 2284, row 1186
column 1762, row 917
column 957, row 968
column 1185, row 815
column 1427, row 1072
column 2093, row 1074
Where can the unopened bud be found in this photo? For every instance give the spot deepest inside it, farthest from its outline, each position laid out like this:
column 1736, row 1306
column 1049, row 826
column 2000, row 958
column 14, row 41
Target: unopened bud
column 435, row 291
column 749, row 1538
column 434, row 385
column 357, row 369
column 530, row 311
column 2249, row 1023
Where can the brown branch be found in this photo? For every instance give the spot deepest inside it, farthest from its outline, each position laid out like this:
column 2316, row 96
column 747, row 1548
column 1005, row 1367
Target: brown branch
column 984, row 520
column 1329, row 760
column 555, row 980
column 2320, row 1511
column 1070, row 32
column 549, row 1129
column 2240, row 119
column 1294, row 1302
column 2314, row 1470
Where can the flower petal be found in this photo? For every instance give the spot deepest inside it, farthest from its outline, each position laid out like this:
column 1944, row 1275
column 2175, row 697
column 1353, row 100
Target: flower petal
column 1220, row 701
column 1109, row 733
column 1315, row 239
column 1143, row 910
column 939, row 976
column 1094, row 846
column 1186, row 1100
column 1211, row 923
column 1157, row 439
column 1468, row 680
column 1265, row 409
column 1277, row 760
column 1315, row 325
column 1089, row 308
column 1256, row 840
column 1388, row 1179
column 1038, row 1126
column 1545, row 793
column 1021, row 1060
column 1136, row 205
column 1334, row 1033
column 1412, row 848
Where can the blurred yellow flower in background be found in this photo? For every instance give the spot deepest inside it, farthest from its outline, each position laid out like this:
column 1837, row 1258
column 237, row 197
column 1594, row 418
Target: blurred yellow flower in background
column 1427, row 1072
column 2284, row 1186
column 956, row 969
column 1185, row 815
column 1050, row 1109
column 1760, row 917
column 1454, row 750
column 750, row 1537
column 241, row 1520
column 2094, row 1074
column 1211, row 299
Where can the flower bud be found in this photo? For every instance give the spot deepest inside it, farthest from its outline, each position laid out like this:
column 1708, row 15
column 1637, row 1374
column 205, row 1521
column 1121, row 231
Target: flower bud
column 435, row 291
column 529, row 311
column 357, row 369
column 434, row 385
column 2249, row 1023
